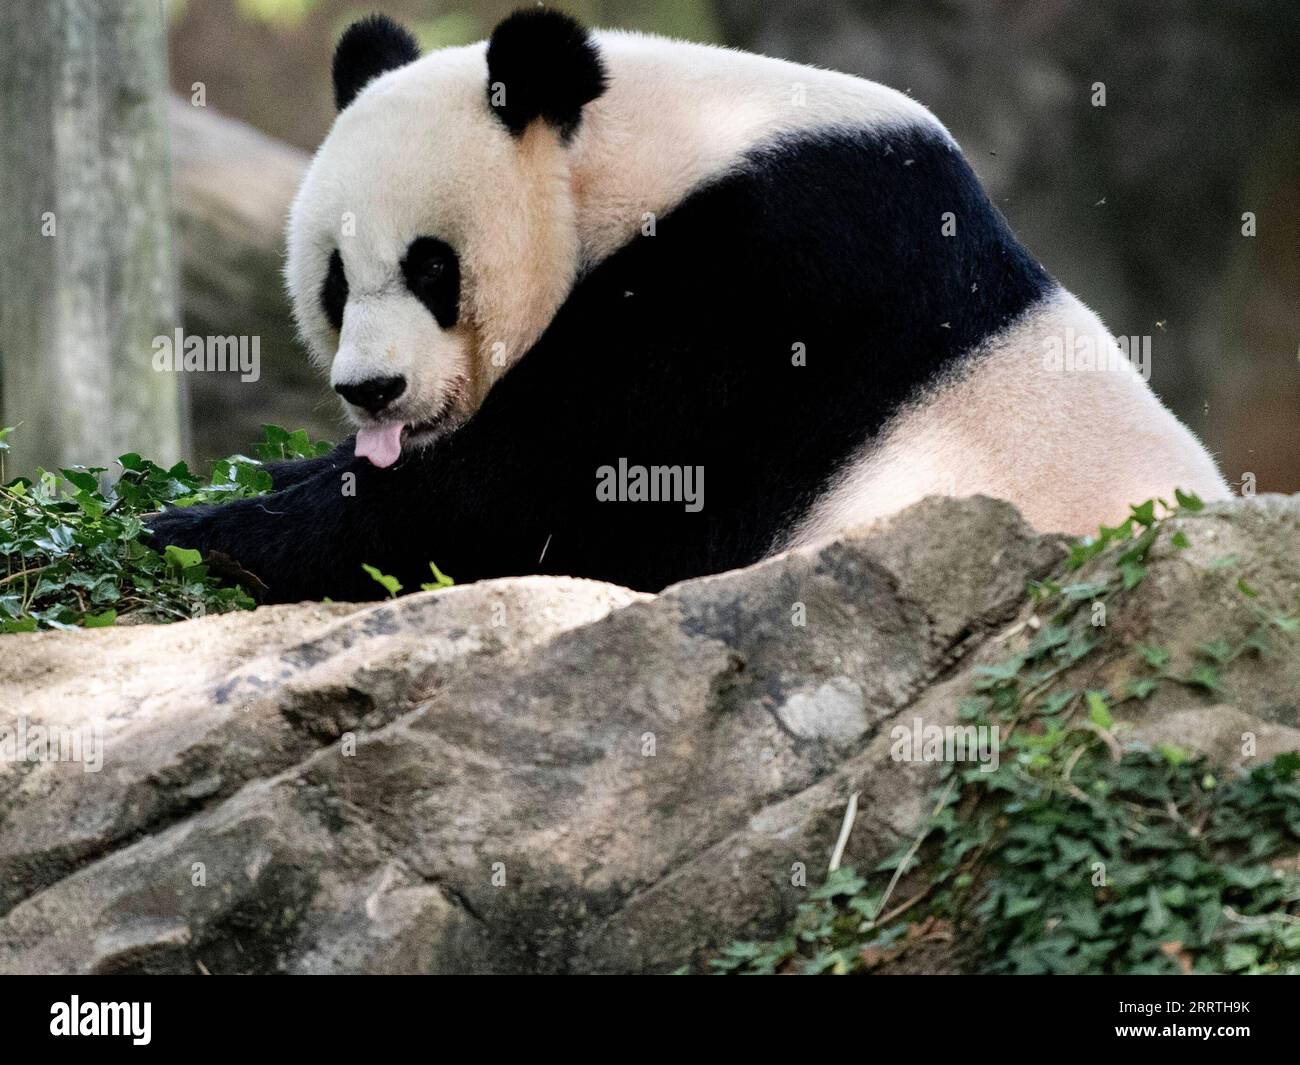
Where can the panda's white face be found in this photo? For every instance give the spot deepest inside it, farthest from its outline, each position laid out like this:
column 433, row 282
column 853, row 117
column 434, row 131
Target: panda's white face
column 427, row 249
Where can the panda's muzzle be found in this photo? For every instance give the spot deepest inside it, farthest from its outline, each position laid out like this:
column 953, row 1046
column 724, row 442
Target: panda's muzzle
column 374, row 394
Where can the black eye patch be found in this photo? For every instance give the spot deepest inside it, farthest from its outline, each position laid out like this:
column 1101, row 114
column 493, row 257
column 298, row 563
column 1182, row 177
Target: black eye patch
column 334, row 293
column 432, row 273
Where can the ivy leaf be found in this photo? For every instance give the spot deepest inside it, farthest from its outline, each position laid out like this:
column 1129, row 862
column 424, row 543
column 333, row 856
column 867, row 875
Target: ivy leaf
column 1078, row 647
column 278, row 444
column 390, row 584
column 1098, row 711
column 1083, row 550
column 181, row 559
column 1155, row 657
column 843, row 881
column 1204, row 676
column 1157, row 913
column 82, row 479
column 1044, row 589
column 1140, row 547
column 1056, row 702
column 1246, row 876
column 1014, row 908
column 1286, row 765
column 1217, row 651
column 1175, row 756
column 57, row 540
column 1085, row 589
column 1050, row 636
column 1133, row 573
column 1144, row 513
column 988, row 676
column 440, row 580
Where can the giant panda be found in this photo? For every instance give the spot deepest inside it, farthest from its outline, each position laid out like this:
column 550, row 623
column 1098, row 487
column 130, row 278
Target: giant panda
column 559, row 276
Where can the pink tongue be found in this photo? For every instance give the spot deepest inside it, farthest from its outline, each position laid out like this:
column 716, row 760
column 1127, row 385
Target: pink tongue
column 381, row 444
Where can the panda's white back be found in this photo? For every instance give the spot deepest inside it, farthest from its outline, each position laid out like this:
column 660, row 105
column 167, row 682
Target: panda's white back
column 677, row 114
column 1072, row 449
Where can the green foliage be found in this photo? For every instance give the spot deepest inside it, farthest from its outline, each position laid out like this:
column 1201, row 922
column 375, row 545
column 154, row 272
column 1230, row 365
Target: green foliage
column 394, row 587
column 390, row 584
column 280, row 445
column 440, row 580
column 1145, row 864
column 1079, row 853
column 72, row 549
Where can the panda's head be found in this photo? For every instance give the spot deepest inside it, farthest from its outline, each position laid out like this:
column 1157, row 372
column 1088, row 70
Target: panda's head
column 434, row 236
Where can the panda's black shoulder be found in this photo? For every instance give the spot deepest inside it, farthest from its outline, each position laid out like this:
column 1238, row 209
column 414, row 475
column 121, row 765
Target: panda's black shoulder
column 858, row 232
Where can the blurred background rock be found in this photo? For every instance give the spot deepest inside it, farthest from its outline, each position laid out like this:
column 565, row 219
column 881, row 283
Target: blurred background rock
column 1136, row 206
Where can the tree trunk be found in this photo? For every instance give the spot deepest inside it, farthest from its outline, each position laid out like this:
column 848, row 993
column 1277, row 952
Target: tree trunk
column 86, row 270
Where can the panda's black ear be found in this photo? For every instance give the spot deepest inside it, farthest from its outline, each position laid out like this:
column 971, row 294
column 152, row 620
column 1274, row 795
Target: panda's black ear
column 368, row 48
column 542, row 64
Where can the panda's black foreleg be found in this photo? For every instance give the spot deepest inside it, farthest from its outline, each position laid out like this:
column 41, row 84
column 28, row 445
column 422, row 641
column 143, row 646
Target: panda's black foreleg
column 305, row 541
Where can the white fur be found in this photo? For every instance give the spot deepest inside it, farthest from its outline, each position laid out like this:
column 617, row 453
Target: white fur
column 1072, row 449
column 676, row 115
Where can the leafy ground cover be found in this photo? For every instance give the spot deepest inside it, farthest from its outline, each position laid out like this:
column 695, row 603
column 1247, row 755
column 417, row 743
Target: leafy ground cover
column 1082, row 852
column 71, row 539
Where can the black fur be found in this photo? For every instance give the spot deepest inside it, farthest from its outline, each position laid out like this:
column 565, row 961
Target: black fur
column 294, row 471
column 368, row 48
column 432, row 272
column 548, row 67
column 334, row 291
column 677, row 350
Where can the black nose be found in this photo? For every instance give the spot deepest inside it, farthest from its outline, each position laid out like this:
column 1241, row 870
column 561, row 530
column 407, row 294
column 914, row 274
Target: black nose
column 373, row 395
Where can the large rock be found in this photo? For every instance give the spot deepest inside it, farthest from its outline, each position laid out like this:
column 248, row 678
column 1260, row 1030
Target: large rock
column 545, row 774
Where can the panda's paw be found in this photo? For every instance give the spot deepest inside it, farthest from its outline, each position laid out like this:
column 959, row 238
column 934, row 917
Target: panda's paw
column 180, row 527
column 206, row 529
